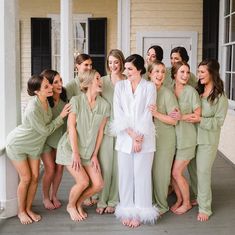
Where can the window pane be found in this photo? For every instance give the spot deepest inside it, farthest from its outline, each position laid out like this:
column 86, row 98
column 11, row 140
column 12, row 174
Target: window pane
column 228, row 58
column 233, row 5
column 232, row 95
column 226, row 30
column 227, row 84
column 227, row 7
column 233, row 28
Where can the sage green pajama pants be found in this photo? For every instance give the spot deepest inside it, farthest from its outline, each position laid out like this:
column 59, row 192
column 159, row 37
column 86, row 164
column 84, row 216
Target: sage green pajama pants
column 161, row 173
column 108, row 163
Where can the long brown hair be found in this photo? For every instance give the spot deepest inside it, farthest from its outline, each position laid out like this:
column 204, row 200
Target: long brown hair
column 218, row 85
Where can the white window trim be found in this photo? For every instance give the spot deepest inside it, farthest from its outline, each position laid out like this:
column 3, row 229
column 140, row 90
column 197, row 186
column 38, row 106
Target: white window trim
column 222, row 49
column 159, row 34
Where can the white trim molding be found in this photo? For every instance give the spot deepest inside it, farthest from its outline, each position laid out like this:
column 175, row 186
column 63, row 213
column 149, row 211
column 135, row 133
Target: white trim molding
column 124, row 25
column 193, row 36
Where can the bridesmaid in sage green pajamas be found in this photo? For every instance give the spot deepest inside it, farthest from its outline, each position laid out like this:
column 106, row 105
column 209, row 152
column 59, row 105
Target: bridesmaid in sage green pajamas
column 178, row 54
column 108, row 197
column 214, row 110
column 83, row 62
column 78, row 148
column 186, row 135
column 25, row 144
column 166, row 138
column 53, row 172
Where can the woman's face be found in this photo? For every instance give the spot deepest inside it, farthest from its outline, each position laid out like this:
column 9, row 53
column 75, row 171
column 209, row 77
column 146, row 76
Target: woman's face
column 131, row 71
column 203, row 74
column 182, row 75
column 46, row 89
column 114, row 65
column 151, row 56
column 96, row 84
column 175, row 57
column 157, row 75
column 84, row 66
column 57, row 84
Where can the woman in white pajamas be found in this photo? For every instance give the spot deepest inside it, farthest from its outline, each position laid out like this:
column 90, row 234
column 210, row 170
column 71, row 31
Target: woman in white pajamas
column 135, row 144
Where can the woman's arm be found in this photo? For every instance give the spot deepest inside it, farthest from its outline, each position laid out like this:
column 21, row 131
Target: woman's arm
column 162, row 117
column 37, row 121
column 94, row 158
column 73, row 137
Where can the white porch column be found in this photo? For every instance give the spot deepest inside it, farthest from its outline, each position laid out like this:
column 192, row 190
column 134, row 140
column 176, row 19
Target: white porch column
column 9, row 101
column 124, row 15
column 66, row 43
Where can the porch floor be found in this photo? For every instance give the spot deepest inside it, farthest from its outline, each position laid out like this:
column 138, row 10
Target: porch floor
column 57, row 222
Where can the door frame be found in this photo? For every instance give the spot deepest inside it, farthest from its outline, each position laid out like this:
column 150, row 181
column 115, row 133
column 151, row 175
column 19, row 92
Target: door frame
column 193, row 36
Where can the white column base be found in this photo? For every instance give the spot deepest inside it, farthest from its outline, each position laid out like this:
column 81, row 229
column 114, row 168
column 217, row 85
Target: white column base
column 8, row 208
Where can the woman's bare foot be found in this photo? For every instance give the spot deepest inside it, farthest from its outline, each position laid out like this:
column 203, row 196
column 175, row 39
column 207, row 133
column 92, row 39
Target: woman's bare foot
column 194, row 202
column 74, row 215
column 48, row 204
column 87, row 202
column 81, row 212
column 35, row 217
column 176, row 206
column 134, row 223
column 126, row 222
column 109, row 210
column 183, row 209
column 100, row 210
column 202, row 217
column 56, row 202
column 24, row 218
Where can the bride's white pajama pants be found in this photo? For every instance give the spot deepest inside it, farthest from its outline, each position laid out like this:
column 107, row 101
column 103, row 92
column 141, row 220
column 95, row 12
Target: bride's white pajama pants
column 135, row 187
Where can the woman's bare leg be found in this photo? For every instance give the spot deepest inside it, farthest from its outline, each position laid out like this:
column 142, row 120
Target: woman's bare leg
column 34, row 167
column 22, row 167
column 178, row 171
column 82, row 182
column 49, row 173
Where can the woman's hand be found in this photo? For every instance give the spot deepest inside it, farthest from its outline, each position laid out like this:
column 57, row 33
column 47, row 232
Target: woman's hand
column 193, row 118
column 176, row 115
column 95, row 163
column 66, row 110
column 153, row 109
column 137, row 146
column 76, row 164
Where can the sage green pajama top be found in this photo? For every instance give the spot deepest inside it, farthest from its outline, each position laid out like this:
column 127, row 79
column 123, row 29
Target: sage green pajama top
column 186, row 133
column 73, row 88
column 211, row 121
column 165, row 150
column 29, row 137
column 169, row 82
column 87, row 124
column 53, row 139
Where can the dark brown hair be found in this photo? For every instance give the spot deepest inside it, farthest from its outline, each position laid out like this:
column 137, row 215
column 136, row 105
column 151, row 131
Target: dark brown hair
column 137, row 61
column 50, row 75
column 34, row 84
column 218, row 86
